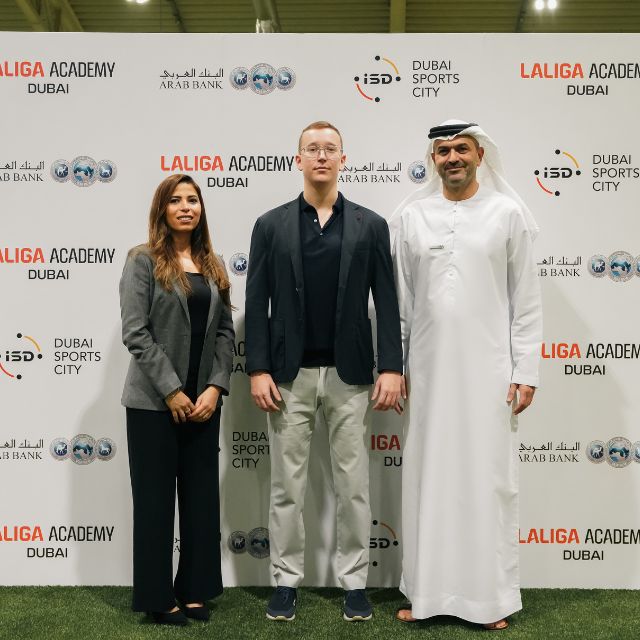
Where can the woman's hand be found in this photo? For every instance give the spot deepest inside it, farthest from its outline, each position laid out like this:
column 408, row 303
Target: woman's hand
column 205, row 405
column 180, row 405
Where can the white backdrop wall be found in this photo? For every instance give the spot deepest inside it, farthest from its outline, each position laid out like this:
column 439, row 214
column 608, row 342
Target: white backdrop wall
column 563, row 106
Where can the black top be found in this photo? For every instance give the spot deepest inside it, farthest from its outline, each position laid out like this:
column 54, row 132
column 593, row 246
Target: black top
column 321, row 247
column 198, row 303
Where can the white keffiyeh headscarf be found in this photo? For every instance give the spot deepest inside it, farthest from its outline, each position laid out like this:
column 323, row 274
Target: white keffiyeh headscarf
column 490, row 172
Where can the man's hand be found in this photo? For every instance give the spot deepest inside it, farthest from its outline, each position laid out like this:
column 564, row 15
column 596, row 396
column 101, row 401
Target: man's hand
column 390, row 387
column 525, row 396
column 205, row 404
column 264, row 391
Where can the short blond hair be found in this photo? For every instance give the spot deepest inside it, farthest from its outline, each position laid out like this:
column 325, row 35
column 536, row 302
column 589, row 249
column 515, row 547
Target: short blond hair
column 320, row 124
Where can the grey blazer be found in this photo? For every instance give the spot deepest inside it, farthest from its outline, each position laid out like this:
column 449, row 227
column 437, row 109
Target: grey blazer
column 156, row 330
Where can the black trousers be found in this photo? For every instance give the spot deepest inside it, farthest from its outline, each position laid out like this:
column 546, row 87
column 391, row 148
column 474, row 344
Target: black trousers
column 161, row 454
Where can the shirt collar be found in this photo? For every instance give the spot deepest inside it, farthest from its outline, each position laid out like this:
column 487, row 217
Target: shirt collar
column 338, row 206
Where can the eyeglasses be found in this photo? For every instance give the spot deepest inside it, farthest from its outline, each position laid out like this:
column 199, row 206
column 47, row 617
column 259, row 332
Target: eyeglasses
column 313, row 151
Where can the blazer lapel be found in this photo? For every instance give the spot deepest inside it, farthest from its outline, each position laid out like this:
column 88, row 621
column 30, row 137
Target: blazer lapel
column 291, row 222
column 352, row 227
column 215, row 299
column 183, row 300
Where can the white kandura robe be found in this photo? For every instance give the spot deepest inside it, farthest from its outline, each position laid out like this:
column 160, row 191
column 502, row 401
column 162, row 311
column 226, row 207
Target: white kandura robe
column 471, row 324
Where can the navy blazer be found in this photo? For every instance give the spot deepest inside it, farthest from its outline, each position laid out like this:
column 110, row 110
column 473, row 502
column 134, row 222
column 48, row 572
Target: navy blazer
column 274, row 311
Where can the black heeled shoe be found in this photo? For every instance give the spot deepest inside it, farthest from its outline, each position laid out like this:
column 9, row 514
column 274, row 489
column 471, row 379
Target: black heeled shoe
column 197, row 613
column 176, row 618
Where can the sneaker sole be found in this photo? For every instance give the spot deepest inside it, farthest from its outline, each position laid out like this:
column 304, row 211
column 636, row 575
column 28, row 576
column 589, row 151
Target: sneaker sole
column 356, row 618
column 281, row 618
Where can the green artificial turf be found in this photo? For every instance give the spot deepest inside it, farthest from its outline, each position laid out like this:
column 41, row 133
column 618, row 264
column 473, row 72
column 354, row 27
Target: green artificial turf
column 52, row 613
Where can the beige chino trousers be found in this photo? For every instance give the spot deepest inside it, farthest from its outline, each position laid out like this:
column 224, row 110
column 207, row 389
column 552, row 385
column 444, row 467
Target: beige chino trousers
column 345, row 409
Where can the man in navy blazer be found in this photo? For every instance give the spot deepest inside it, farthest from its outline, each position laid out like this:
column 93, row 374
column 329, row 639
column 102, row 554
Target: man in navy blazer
column 312, row 264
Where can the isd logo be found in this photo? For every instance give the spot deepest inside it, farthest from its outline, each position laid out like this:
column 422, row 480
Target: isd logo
column 551, row 174
column 13, row 360
column 385, row 540
column 83, row 171
column 373, row 82
column 595, row 451
column 262, row 78
column 417, row 171
column 258, row 546
column 618, row 452
column 237, row 542
column 239, row 263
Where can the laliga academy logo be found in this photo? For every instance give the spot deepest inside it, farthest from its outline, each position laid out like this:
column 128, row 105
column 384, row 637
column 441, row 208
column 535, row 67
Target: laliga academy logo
column 12, row 361
column 372, row 82
column 262, row 78
column 83, row 171
column 556, row 173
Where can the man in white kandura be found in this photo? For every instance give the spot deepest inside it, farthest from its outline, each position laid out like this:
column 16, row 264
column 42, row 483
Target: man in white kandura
column 471, row 328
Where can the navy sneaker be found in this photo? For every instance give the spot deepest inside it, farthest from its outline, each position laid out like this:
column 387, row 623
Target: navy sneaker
column 356, row 606
column 282, row 605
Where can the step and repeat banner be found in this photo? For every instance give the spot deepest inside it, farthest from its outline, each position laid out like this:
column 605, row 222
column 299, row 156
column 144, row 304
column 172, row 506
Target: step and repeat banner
column 91, row 123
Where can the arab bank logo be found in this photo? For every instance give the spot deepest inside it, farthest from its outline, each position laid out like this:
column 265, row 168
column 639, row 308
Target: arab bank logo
column 258, row 542
column 105, row 449
column 83, row 171
column 636, row 452
column 59, row 449
column 621, row 266
column 598, row 266
column 417, row 171
column 548, row 177
column 595, row 451
column 12, row 361
column 369, row 85
column 262, row 78
column 619, row 452
column 83, row 449
column 237, row 542
column 239, row 263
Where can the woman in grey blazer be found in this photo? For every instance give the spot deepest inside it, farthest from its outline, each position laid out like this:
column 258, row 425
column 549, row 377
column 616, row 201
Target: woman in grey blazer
column 176, row 323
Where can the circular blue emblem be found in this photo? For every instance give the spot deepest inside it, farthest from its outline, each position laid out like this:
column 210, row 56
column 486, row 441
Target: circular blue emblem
column 60, row 170
column 595, row 451
column 262, row 78
column 638, row 266
column 621, row 266
column 59, row 449
column 239, row 263
column 239, row 78
column 106, row 170
column 84, row 171
column 105, row 449
column 83, row 449
column 618, row 452
column 598, row 266
column 636, row 451
column 285, row 78
column 259, row 542
column 417, row 171
column 237, row 542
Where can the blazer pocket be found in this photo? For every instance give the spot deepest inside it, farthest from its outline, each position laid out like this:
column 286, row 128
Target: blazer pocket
column 276, row 335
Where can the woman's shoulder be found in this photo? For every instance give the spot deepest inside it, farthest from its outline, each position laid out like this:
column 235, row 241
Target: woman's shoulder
column 140, row 252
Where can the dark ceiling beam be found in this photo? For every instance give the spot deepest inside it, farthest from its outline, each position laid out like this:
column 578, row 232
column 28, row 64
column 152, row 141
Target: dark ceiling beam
column 522, row 14
column 175, row 12
column 50, row 15
column 267, row 19
column 398, row 16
